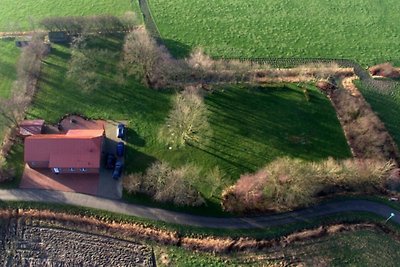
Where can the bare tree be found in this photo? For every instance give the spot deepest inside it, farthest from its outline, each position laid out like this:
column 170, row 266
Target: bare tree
column 187, row 122
column 144, row 58
column 166, row 184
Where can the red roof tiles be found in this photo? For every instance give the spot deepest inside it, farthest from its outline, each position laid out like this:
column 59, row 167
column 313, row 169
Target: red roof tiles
column 76, row 149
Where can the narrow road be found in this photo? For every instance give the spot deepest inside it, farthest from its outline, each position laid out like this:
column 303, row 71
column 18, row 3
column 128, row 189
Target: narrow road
column 156, row 214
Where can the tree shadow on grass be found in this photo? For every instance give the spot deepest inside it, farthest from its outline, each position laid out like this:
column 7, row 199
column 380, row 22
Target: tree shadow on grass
column 137, row 161
column 134, row 138
column 177, row 49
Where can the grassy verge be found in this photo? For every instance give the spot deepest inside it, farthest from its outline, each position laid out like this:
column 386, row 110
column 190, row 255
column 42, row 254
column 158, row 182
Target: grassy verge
column 8, row 73
column 358, row 248
column 15, row 161
column 17, row 15
column 360, row 31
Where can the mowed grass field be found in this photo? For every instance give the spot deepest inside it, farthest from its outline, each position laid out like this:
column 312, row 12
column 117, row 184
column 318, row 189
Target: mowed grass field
column 18, row 14
column 251, row 126
column 367, row 30
column 8, row 59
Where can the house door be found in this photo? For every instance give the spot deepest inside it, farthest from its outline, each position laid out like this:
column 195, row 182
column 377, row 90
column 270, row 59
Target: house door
column 56, row 170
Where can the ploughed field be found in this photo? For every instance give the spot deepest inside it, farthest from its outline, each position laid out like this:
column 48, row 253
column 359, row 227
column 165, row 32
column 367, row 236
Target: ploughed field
column 25, row 243
column 367, row 30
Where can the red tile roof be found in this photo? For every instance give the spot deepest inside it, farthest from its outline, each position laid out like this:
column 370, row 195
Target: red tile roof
column 76, row 149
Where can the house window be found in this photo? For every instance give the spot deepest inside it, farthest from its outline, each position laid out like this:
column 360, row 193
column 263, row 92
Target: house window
column 71, row 169
column 83, row 170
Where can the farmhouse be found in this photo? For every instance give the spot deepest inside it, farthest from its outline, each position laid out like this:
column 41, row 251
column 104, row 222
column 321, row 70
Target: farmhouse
column 77, row 151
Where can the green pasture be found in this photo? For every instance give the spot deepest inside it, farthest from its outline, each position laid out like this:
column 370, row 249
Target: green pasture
column 367, row 30
column 8, row 59
column 17, row 15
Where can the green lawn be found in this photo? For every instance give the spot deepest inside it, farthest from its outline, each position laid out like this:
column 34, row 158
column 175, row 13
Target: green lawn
column 18, row 14
column 366, row 30
column 251, row 126
column 8, row 58
column 387, row 107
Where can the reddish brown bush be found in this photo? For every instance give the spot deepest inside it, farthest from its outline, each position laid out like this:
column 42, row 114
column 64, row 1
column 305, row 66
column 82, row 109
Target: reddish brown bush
column 287, row 183
column 385, row 70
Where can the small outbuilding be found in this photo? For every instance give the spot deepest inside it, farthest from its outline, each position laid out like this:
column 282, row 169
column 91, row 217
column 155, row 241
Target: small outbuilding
column 31, row 127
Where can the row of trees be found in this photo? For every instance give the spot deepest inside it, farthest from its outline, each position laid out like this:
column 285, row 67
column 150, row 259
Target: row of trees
column 100, row 23
column 146, row 59
column 287, row 183
column 28, row 71
column 12, row 109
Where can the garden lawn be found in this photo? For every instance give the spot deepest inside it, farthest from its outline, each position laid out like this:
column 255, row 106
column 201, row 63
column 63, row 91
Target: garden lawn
column 8, row 59
column 366, row 30
column 17, row 15
column 251, row 126
column 387, row 106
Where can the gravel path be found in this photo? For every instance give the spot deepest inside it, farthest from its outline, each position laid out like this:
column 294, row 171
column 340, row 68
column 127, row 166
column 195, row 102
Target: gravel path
column 194, row 220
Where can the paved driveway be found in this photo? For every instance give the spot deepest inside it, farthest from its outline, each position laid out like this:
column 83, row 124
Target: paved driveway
column 45, row 179
column 108, row 187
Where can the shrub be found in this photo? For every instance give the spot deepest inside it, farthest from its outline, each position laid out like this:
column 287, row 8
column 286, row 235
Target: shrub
column 5, row 172
column 165, row 184
column 385, row 70
column 287, row 183
column 187, row 122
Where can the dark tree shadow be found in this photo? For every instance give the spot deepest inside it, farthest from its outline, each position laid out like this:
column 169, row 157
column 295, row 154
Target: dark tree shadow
column 177, row 49
column 134, row 138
